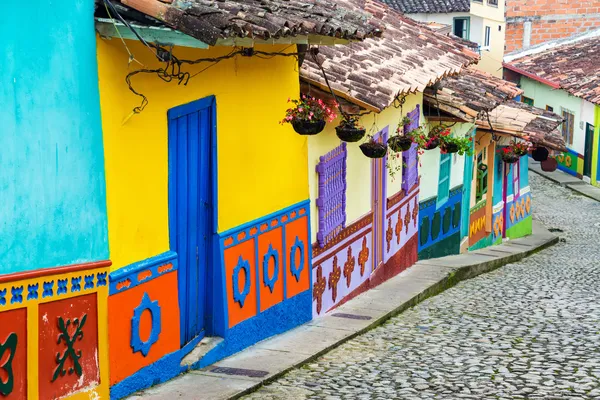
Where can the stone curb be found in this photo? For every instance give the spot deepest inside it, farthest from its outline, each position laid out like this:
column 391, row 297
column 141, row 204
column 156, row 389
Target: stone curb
column 283, row 353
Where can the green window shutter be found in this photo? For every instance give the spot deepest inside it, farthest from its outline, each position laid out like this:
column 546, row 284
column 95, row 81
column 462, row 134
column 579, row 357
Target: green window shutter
column 444, row 180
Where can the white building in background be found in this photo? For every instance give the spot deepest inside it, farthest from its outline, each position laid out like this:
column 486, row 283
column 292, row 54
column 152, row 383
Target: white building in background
column 480, row 21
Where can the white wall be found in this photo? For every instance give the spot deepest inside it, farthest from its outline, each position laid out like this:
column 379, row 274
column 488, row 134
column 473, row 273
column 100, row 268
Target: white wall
column 544, row 95
column 429, row 169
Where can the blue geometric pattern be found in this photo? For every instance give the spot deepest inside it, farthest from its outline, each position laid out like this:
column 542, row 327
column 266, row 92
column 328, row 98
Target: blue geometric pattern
column 3, row 297
column 89, row 281
column 238, row 296
column 136, row 341
column 32, row 291
column 62, row 287
column 297, row 270
column 48, row 289
column 16, row 295
column 270, row 281
column 76, row 284
column 101, row 279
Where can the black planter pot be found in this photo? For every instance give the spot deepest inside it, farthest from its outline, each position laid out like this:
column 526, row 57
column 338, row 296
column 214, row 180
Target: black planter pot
column 304, row 127
column 432, row 144
column 349, row 133
column 510, row 158
column 540, row 154
column 549, row 165
column 450, row 148
column 374, row 149
column 399, row 143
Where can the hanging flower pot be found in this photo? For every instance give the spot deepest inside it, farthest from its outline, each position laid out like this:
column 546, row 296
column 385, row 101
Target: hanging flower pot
column 348, row 131
column 549, row 165
column 519, row 148
column 399, row 143
column 373, row 149
column 540, row 154
column 509, row 157
column 432, row 144
column 304, row 127
column 449, row 148
column 308, row 115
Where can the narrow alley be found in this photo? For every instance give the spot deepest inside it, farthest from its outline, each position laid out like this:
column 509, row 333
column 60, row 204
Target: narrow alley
column 529, row 330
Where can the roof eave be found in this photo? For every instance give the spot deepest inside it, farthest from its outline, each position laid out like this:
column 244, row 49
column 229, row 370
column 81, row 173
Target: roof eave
column 533, row 76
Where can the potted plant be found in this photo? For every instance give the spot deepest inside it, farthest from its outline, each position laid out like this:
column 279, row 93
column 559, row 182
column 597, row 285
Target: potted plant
column 519, row 148
column 373, row 149
column 450, row 144
column 401, row 141
column 349, row 129
column 508, row 155
column 309, row 115
column 540, row 154
column 426, row 141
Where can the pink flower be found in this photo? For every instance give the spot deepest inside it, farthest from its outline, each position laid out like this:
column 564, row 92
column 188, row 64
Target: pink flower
column 300, row 109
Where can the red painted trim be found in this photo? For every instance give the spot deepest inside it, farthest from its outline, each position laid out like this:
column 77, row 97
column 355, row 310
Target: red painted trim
column 54, row 271
column 518, row 70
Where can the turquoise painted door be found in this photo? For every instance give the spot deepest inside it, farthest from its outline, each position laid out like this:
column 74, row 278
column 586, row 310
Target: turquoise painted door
column 466, row 193
column 191, row 129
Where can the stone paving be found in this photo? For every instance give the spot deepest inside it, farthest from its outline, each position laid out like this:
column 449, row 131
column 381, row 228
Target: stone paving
column 529, row 330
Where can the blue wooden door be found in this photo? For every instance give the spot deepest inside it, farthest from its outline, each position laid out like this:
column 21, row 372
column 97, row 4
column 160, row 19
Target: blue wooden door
column 466, row 192
column 191, row 224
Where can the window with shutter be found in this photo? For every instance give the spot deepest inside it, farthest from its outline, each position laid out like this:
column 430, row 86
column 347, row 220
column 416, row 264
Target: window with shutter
column 568, row 125
column 516, row 173
column 410, row 171
column 332, row 194
column 444, row 181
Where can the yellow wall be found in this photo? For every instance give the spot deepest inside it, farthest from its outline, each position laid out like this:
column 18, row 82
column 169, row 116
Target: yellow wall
column 261, row 164
column 358, row 174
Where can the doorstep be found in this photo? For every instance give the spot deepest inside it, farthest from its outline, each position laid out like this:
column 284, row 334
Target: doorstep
column 251, row 368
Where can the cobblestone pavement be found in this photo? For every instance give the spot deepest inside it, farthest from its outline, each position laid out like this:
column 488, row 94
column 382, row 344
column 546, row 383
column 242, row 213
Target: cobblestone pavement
column 529, row 330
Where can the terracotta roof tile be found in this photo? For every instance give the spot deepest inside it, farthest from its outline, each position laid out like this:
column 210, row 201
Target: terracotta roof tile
column 429, row 6
column 212, row 20
column 574, row 67
column 469, row 93
column 407, row 58
column 474, row 95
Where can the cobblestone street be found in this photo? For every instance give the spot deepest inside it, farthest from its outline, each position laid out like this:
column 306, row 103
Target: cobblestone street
column 529, row 330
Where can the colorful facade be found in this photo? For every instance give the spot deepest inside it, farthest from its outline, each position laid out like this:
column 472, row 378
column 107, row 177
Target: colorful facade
column 561, row 76
column 140, row 245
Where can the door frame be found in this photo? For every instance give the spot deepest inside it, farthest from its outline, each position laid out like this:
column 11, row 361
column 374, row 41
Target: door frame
column 588, row 151
column 211, row 321
column 379, row 187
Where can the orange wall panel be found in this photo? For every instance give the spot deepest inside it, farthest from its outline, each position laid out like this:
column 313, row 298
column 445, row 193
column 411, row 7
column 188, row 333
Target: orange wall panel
column 123, row 361
column 296, row 232
column 239, row 311
column 268, row 297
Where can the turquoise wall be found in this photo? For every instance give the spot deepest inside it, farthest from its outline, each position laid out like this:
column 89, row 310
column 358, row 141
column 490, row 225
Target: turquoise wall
column 51, row 157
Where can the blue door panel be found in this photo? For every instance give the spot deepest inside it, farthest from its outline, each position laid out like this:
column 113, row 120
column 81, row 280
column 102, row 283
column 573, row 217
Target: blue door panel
column 190, row 204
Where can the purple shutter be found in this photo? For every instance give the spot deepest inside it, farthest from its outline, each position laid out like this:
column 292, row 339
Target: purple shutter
column 332, row 194
column 410, row 173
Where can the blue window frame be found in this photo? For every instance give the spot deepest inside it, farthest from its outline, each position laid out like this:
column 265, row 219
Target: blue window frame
column 444, row 180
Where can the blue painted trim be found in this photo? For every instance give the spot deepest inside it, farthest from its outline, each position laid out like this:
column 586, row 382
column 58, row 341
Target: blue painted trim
column 136, row 342
column 248, row 225
column 269, row 281
column 131, row 271
column 161, row 371
column 238, row 296
column 275, row 320
column 297, row 270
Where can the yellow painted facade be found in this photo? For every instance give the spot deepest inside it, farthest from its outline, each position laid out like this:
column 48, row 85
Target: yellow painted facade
column 261, row 164
column 101, row 391
column 358, row 174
